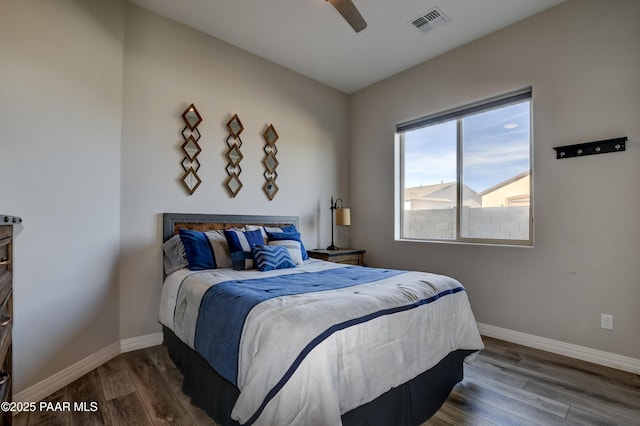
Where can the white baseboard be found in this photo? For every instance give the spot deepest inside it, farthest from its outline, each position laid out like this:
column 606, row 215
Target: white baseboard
column 61, row 379
column 140, row 342
column 583, row 353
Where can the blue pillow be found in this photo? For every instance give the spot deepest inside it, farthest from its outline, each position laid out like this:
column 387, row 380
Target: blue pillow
column 240, row 245
column 291, row 240
column 198, row 250
column 292, row 228
column 268, row 258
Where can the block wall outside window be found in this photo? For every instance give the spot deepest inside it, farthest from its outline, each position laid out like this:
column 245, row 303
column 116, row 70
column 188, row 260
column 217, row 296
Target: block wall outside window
column 465, row 175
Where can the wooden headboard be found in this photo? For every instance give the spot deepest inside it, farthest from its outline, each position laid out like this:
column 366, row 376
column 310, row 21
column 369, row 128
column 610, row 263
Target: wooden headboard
column 171, row 222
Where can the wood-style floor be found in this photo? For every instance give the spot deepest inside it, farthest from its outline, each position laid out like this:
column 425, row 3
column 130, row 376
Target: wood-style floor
column 506, row 384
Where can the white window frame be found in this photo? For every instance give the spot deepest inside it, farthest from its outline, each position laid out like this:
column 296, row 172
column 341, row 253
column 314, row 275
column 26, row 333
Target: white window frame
column 458, row 114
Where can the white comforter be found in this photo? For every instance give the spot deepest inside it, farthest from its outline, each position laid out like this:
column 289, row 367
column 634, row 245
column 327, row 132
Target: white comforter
column 351, row 366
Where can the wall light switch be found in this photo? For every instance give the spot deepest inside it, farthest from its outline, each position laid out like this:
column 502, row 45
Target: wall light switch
column 606, row 321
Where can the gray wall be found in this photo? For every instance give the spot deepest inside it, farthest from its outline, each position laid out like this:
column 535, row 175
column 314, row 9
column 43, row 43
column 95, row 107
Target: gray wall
column 92, row 93
column 167, row 67
column 583, row 61
column 60, row 115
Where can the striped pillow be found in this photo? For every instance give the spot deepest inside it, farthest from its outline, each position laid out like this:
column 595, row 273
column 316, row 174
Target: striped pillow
column 287, row 228
column 240, row 245
column 205, row 250
column 292, row 228
column 268, row 258
column 290, row 240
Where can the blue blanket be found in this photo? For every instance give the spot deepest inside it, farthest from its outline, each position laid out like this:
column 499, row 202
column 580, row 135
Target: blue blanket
column 225, row 306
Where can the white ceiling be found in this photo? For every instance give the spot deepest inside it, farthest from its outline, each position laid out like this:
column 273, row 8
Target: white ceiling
column 311, row 38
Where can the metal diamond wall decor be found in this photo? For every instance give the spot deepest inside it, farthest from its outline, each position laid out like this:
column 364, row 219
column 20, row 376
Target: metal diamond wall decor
column 191, row 149
column 270, row 162
column 234, row 155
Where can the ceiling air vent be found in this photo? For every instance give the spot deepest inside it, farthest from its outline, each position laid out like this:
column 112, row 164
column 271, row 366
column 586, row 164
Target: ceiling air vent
column 430, row 20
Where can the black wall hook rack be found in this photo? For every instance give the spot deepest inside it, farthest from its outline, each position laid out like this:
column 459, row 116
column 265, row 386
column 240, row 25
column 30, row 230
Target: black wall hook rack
column 591, row 148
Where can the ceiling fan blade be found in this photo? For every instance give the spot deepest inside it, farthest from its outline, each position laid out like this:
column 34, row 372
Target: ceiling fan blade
column 350, row 13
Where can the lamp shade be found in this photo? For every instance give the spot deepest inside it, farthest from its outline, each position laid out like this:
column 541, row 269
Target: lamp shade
column 343, row 217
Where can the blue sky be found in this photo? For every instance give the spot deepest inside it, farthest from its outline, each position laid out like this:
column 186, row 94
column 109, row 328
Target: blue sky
column 495, row 148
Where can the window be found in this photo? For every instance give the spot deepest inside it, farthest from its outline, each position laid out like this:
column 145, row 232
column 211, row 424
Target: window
column 465, row 174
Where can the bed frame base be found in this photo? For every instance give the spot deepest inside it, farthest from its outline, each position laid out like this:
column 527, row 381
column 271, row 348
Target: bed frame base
column 409, row 404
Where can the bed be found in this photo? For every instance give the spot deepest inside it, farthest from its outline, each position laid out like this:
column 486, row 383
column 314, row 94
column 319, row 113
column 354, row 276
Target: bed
column 304, row 341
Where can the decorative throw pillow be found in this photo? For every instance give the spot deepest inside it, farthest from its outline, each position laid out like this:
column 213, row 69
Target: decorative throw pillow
column 292, row 228
column 205, row 250
column 263, row 230
column 266, row 229
column 268, row 258
column 240, row 245
column 290, row 240
column 220, row 248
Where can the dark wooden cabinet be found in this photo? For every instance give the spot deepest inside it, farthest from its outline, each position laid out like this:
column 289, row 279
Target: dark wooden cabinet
column 349, row 255
column 6, row 309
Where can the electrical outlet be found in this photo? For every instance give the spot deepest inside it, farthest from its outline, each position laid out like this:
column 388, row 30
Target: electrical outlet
column 606, row 321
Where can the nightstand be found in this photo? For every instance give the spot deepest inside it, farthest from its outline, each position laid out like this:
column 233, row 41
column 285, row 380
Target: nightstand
column 349, row 256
